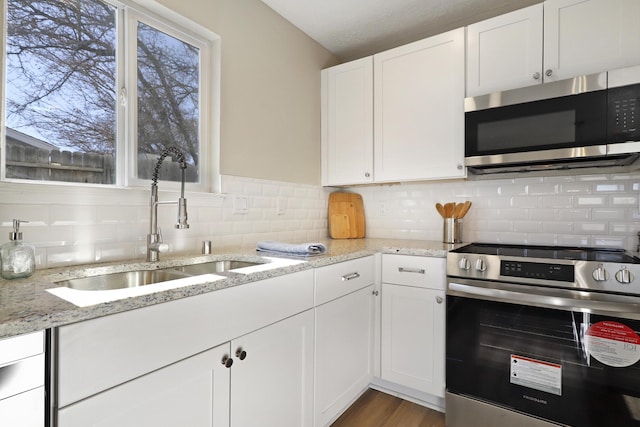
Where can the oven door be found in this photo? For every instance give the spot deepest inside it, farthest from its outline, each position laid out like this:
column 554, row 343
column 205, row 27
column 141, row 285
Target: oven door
column 542, row 354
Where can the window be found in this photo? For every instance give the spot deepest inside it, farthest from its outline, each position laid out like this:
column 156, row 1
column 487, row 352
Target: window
column 95, row 90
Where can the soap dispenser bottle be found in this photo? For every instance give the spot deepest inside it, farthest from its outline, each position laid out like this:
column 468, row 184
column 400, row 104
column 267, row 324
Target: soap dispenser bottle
column 18, row 258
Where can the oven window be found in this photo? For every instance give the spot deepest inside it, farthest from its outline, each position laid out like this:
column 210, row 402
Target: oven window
column 560, row 374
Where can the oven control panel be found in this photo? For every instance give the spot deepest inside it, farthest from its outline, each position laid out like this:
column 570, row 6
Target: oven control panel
column 601, row 276
column 535, row 270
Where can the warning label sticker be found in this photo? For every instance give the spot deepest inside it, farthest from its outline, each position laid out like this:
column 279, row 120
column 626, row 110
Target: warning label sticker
column 613, row 344
column 536, row 374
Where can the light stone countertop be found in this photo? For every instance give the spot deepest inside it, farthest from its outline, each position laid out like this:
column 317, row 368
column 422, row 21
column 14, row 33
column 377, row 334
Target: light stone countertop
column 26, row 306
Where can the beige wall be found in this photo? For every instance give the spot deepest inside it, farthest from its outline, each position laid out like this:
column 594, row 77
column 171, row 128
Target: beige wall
column 270, row 103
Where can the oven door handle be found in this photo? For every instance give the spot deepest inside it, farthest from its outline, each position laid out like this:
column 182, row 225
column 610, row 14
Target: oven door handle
column 560, row 299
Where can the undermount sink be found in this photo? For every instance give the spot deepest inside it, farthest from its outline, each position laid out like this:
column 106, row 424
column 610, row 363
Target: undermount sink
column 137, row 278
column 128, row 279
column 213, row 267
column 98, row 286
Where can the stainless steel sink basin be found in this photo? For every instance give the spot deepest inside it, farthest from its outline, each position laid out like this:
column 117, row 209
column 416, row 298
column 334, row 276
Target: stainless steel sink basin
column 135, row 283
column 129, row 279
column 213, row 267
column 133, row 279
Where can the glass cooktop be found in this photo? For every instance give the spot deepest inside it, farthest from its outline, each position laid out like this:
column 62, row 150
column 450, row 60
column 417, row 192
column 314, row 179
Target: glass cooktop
column 551, row 252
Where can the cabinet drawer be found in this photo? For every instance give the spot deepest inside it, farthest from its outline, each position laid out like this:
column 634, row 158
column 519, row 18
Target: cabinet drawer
column 424, row 272
column 334, row 281
column 24, row 409
column 20, row 347
column 22, row 376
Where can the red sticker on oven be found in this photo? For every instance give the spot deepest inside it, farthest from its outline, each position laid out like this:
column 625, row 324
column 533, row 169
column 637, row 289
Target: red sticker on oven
column 613, row 344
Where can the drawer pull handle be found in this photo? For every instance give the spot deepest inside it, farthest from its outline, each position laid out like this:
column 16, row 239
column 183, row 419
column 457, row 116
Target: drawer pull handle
column 411, row 270
column 350, row 276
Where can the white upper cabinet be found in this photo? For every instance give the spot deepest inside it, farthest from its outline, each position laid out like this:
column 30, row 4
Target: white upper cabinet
column 347, row 123
column 418, row 110
column 505, row 52
column 554, row 40
column 590, row 36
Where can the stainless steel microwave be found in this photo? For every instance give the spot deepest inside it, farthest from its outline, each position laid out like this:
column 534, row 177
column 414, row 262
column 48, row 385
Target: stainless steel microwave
column 587, row 121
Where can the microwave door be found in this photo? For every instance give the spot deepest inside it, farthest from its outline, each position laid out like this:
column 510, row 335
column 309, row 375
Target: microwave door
column 567, row 123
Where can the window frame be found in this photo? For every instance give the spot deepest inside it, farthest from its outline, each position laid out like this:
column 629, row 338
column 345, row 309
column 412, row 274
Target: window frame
column 129, row 13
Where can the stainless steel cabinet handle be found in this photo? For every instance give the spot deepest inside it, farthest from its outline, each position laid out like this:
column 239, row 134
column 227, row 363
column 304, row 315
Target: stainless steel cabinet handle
column 367, row 174
column 536, row 76
column 548, row 73
column 439, row 299
column 350, row 276
column 374, row 293
column 411, row 270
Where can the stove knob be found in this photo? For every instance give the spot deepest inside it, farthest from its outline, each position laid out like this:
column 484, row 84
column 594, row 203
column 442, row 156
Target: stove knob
column 464, row 264
column 481, row 265
column 600, row 274
column 624, row 276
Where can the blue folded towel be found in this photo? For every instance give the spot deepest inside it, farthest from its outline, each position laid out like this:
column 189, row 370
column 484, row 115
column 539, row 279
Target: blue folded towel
column 304, row 249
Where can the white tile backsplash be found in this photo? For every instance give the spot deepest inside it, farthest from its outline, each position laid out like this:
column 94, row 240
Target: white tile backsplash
column 582, row 210
column 70, row 226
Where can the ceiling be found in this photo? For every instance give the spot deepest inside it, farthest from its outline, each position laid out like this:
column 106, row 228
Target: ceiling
column 352, row 29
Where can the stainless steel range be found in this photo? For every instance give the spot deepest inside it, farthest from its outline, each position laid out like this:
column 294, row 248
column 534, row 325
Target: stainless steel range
column 542, row 336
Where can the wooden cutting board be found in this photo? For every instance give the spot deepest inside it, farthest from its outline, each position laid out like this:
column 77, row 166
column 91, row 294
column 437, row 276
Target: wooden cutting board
column 346, row 216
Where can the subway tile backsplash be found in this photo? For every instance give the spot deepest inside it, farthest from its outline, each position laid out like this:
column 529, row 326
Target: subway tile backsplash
column 75, row 227
column 582, row 210
column 71, row 226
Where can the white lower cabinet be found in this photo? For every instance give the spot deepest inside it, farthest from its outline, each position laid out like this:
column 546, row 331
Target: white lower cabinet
column 344, row 350
column 291, row 351
column 272, row 381
column 22, row 380
column 192, row 392
column 162, row 365
column 268, row 383
column 344, row 335
column 413, row 323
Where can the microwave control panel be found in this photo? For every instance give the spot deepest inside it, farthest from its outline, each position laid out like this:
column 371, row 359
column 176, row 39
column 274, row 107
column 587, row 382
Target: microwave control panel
column 624, row 113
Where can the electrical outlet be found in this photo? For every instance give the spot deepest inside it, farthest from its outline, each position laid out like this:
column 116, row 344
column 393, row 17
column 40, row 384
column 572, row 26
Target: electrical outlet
column 240, row 205
column 382, row 209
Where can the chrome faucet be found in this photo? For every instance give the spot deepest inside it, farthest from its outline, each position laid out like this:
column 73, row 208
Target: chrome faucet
column 154, row 238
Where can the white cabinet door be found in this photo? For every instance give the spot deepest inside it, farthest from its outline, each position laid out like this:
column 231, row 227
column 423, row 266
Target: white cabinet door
column 413, row 337
column 273, row 385
column 347, row 123
column 505, row 52
column 590, row 36
column 418, row 110
column 344, row 352
column 193, row 392
column 554, row 40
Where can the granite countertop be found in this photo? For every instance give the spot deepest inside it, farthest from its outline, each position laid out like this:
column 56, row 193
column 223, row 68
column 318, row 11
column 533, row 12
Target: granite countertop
column 26, row 306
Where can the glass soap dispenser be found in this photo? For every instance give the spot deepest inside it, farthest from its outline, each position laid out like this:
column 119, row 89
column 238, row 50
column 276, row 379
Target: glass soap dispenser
column 18, row 258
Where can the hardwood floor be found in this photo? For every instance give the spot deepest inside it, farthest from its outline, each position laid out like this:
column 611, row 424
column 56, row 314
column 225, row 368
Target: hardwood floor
column 377, row 409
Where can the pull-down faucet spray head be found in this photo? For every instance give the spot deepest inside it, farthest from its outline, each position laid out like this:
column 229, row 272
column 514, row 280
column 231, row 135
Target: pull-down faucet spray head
column 154, row 238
